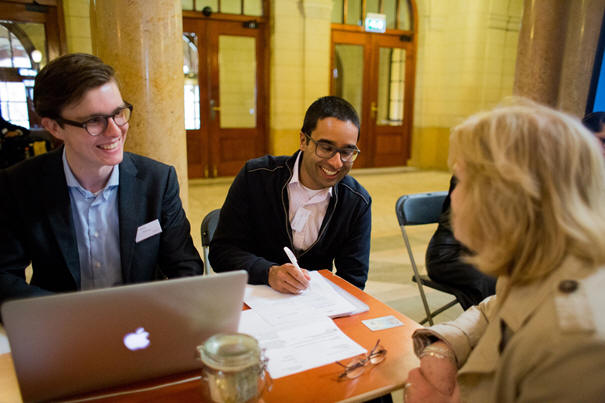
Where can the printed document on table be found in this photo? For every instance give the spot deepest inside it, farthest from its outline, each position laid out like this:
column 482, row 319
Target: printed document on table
column 313, row 342
column 278, row 308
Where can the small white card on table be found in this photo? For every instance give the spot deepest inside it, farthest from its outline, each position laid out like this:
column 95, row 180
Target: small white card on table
column 385, row 322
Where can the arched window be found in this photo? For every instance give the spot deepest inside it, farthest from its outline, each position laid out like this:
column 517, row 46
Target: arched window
column 19, row 63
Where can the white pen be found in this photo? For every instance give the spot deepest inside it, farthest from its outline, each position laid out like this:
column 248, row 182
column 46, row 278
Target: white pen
column 294, row 262
column 292, row 258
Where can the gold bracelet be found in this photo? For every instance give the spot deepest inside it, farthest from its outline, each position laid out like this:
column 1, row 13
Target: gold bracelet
column 438, row 352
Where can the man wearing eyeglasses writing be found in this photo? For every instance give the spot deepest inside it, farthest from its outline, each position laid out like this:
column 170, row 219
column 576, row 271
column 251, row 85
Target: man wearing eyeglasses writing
column 89, row 215
column 305, row 202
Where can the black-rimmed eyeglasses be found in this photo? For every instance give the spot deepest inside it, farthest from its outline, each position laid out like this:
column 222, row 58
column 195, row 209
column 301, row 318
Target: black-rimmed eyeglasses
column 98, row 124
column 326, row 150
column 356, row 367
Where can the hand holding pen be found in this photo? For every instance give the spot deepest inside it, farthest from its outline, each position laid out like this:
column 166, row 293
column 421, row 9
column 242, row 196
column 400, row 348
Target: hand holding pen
column 289, row 277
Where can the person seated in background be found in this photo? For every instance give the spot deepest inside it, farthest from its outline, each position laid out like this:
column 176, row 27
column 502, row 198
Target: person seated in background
column 306, row 202
column 8, row 130
column 89, row 215
column 595, row 122
column 529, row 204
column 14, row 143
column 445, row 264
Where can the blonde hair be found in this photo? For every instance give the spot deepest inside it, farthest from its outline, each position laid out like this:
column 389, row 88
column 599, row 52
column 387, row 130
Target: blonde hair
column 535, row 190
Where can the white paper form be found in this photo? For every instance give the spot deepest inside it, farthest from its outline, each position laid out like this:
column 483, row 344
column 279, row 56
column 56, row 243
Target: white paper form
column 314, row 342
column 277, row 308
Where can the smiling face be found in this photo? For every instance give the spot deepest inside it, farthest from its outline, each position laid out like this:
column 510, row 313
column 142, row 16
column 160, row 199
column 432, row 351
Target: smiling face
column 319, row 173
column 92, row 158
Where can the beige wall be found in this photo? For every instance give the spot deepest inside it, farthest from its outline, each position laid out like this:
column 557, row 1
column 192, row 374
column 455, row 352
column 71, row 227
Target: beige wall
column 300, row 66
column 77, row 25
column 466, row 59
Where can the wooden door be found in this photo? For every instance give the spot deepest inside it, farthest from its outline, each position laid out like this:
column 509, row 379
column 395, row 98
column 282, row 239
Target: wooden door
column 391, row 100
column 225, row 101
column 375, row 72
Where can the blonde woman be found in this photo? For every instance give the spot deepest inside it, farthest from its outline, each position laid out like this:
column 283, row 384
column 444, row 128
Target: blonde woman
column 530, row 203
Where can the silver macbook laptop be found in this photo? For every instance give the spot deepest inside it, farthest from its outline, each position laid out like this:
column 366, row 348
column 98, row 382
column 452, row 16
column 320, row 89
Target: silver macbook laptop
column 78, row 342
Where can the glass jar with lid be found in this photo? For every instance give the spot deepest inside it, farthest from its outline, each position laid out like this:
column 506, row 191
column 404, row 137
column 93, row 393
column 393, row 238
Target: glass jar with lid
column 233, row 368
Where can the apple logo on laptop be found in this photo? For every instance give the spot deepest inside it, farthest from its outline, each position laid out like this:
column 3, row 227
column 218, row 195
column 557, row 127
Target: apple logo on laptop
column 137, row 340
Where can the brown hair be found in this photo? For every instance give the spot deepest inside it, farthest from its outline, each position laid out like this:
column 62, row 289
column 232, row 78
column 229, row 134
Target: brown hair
column 66, row 79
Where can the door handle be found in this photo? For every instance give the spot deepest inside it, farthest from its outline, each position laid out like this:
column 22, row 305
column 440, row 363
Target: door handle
column 213, row 109
column 373, row 110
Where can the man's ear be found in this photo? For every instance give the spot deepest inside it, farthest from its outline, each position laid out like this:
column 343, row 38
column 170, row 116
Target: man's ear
column 53, row 127
column 303, row 141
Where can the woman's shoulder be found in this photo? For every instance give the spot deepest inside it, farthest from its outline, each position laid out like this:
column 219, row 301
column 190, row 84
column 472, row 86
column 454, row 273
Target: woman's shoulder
column 566, row 305
column 572, row 310
column 579, row 303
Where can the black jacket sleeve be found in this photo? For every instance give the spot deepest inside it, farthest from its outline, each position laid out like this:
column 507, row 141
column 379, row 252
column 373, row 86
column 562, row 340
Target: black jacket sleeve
column 231, row 247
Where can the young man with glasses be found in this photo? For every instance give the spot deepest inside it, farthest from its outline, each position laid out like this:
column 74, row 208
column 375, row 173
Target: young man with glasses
column 89, row 215
column 305, row 202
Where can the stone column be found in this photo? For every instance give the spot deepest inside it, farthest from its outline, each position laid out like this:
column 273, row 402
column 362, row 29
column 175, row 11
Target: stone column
column 557, row 45
column 583, row 30
column 540, row 50
column 142, row 40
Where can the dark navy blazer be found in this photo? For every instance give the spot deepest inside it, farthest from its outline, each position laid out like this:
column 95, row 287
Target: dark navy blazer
column 36, row 226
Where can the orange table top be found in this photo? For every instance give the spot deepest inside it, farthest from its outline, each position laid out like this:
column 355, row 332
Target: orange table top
column 315, row 385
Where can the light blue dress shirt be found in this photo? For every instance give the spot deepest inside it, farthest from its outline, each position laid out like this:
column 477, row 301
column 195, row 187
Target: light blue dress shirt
column 96, row 220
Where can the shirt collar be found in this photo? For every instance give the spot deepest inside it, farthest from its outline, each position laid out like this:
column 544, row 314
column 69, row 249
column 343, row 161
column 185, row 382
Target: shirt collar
column 72, row 181
column 296, row 177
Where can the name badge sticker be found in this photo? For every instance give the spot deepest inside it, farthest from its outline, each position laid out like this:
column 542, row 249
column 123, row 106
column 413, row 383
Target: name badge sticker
column 148, row 230
column 300, row 219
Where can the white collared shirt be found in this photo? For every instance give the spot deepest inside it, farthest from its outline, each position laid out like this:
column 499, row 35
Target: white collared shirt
column 96, row 222
column 307, row 209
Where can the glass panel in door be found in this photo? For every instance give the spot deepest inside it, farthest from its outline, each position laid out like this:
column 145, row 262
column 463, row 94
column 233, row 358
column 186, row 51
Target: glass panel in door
column 347, row 75
column 192, row 87
column 237, row 81
column 391, row 83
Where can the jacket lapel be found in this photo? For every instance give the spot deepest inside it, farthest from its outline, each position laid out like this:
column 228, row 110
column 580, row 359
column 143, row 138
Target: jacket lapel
column 127, row 190
column 485, row 355
column 59, row 215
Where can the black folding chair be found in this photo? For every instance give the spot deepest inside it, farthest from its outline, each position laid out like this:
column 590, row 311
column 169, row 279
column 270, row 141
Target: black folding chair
column 420, row 209
column 208, row 227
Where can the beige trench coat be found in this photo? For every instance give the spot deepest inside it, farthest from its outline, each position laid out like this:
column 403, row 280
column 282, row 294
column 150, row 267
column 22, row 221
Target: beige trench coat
column 545, row 344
